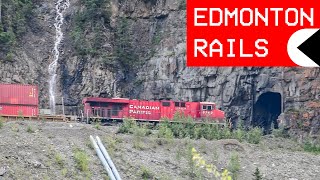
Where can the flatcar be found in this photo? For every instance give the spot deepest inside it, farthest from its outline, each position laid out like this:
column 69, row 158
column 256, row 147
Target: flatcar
column 142, row 110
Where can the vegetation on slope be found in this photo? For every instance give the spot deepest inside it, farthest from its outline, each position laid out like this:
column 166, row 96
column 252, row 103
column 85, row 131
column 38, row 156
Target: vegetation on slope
column 15, row 15
column 188, row 128
column 89, row 36
column 94, row 17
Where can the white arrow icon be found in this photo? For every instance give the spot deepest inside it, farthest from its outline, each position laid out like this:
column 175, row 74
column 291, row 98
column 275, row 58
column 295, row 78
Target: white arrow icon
column 295, row 54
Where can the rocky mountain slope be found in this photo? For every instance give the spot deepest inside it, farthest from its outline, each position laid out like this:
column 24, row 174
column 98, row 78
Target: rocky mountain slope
column 48, row 150
column 136, row 49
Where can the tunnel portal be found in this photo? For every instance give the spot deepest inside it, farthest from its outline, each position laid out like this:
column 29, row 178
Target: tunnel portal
column 266, row 111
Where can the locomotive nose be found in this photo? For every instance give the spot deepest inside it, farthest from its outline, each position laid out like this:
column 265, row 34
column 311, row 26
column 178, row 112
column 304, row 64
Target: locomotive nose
column 222, row 113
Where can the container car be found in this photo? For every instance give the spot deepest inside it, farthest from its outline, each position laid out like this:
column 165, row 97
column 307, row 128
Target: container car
column 17, row 94
column 19, row 100
column 18, row 110
column 119, row 108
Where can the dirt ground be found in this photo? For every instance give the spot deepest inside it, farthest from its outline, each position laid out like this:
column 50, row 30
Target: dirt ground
column 29, row 150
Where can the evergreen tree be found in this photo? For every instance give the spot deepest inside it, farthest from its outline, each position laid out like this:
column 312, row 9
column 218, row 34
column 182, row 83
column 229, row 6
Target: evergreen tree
column 257, row 175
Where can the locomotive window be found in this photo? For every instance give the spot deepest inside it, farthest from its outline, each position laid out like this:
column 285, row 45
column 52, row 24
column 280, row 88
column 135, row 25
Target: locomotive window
column 167, row 104
column 207, row 107
column 92, row 111
column 115, row 112
column 183, row 104
column 116, row 108
column 204, row 107
column 104, row 104
column 177, row 104
column 102, row 112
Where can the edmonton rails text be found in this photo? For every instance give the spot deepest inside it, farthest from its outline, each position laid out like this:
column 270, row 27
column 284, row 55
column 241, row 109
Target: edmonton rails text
column 251, row 17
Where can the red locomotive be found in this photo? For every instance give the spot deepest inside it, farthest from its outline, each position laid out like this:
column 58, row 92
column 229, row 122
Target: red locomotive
column 141, row 110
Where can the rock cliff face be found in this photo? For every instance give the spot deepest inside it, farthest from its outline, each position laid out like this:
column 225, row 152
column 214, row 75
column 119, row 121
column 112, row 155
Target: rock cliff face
column 153, row 33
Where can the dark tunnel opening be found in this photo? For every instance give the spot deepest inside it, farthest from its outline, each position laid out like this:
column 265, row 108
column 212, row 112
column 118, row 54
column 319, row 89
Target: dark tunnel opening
column 266, row 111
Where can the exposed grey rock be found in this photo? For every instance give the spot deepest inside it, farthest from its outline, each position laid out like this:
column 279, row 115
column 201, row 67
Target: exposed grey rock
column 2, row 171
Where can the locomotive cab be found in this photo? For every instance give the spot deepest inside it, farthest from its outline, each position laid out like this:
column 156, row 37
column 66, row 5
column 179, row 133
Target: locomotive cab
column 209, row 111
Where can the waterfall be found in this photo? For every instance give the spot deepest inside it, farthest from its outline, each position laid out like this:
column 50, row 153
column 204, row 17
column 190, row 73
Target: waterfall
column 61, row 6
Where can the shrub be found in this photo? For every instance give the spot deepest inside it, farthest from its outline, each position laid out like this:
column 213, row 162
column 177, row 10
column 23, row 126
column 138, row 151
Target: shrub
column 111, row 144
column 225, row 133
column 177, row 130
column 20, row 115
column 7, row 37
column 146, row 173
column 131, row 126
column 200, row 163
column 127, row 125
column 89, row 144
column 190, row 160
column 257, row 175
column 179, row 154
column 183, row 5
column 213, row 132
column 234, row 165
column 138, row 133
column 97, row 126
column 311, row 147
column 161, row 141
column 198, row 132
column 156, row 39
column 137, row 144
column 64, row 172
column 9, row 57
column 82, row 160
column 1, row 122
column 280, row 133
column 15, row 128
column 254, row 135
column 239, row 134
column 165, row 132
column 59, row 160
column 141, row 131
column 239, row 131
column 30, row 129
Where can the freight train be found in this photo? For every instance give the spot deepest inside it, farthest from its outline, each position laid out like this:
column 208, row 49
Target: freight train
column 22, row 100
column 120, row 108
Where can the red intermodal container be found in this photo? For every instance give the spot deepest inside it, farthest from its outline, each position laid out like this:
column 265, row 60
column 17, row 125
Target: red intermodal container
column 17, row 94
column 18, row 110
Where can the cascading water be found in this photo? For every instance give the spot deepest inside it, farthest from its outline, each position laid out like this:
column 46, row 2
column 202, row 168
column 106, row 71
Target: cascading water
column 61, row 6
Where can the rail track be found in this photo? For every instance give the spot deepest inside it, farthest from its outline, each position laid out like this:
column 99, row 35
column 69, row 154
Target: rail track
column 50, row 118
column 104, row 122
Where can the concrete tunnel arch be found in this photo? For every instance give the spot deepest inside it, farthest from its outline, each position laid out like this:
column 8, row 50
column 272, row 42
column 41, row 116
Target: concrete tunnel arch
column 266, row 111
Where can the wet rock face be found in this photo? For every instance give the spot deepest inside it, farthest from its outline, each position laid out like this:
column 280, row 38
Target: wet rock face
column 156, row 30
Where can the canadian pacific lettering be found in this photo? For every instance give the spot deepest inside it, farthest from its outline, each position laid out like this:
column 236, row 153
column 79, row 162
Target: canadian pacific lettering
column 142, row 109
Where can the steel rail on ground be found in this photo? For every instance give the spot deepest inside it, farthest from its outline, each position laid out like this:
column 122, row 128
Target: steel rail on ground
column 105, row 158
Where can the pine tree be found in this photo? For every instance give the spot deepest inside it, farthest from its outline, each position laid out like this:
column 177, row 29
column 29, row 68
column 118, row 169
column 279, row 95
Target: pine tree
column 257, row 175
